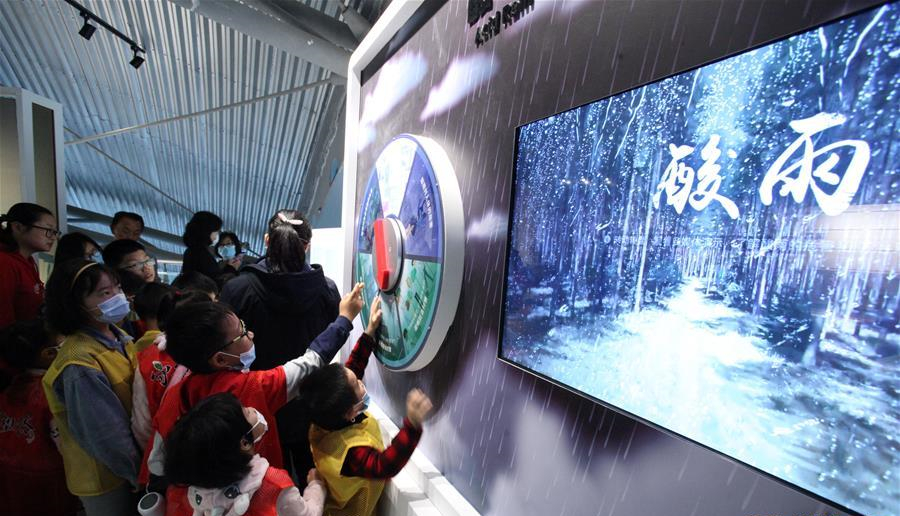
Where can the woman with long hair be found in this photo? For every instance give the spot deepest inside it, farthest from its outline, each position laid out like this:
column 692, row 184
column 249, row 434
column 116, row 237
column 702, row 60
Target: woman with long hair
column 200, row 233
column 288, row 302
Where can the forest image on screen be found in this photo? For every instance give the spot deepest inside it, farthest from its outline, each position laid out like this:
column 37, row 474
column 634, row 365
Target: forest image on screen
column 717, row 253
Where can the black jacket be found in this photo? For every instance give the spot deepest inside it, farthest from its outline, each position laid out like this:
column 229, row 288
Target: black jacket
column 202, row 260
column 285, row 311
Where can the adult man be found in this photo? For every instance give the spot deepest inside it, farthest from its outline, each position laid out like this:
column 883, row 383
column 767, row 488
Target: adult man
column 127, row 226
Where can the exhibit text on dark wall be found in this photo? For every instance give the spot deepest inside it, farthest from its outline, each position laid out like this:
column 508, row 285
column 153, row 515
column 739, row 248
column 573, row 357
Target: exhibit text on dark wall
column 514, row 443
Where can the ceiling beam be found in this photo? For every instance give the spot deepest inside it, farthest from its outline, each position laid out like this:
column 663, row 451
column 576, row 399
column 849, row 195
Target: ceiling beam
column 195, row 114
column 327, row 152
column 260, row 23
column 312, row 21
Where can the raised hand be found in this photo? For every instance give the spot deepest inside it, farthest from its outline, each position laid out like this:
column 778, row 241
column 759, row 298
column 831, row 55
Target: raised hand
column 374, row 317
column 417, row 407
column 351, row 304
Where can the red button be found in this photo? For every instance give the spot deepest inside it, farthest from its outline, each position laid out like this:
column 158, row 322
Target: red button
column 383, row 273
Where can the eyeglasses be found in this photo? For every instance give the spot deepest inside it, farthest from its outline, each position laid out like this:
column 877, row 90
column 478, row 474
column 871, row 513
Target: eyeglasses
column 149, row 262
column 244, row 333
column 49, row 232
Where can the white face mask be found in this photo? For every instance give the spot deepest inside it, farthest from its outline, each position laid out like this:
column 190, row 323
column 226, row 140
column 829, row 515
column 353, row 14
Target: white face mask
column 214, row 237
column 260, row 421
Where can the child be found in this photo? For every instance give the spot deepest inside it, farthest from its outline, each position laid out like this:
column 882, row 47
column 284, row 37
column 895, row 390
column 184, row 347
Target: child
column 346, row 440
column 88, row 386
column 146, row 304
column 212, row 449
column 27, row 229
column 135, row 270
column 214, row 344
column 32, row 478
column 196, row 281
column 157, row 371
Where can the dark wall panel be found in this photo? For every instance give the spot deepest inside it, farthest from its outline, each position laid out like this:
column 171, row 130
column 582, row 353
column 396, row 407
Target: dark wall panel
column 512, row 443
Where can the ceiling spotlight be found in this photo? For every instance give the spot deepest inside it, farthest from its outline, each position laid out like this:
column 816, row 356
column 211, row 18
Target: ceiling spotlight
column 87, row 30
column 137, row 60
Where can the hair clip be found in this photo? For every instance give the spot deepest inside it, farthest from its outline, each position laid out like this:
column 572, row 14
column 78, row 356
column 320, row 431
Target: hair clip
column 293, row 222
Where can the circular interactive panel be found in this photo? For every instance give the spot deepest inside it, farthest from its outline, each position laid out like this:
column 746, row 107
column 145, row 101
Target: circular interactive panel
column 409, row 249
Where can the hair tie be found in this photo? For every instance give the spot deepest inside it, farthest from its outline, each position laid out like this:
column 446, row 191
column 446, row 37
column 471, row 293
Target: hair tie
column 78, row 274
column 293, row 222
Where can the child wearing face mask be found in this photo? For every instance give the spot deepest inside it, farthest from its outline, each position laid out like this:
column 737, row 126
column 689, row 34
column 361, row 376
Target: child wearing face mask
column 218, row 349
column 212, row 450
column 88, row 386
column 346, row 440
column 32, row 479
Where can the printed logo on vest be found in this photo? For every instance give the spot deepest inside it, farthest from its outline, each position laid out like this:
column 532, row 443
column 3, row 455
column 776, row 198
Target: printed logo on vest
column 20, row 425
column 160, row 373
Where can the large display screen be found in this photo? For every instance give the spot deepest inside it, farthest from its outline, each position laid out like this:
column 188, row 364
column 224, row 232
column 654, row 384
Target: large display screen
column 716, row 253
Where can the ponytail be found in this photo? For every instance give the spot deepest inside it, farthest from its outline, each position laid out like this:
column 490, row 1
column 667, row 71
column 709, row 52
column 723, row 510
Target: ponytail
column 289, row 233
column 24, row 213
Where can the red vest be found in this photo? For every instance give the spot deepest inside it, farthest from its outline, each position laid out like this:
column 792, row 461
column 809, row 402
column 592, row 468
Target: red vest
column 32, row 478
column 263, row 503
column 156, row 367
column 266, row 391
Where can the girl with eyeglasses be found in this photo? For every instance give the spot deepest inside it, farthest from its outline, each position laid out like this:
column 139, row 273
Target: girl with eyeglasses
column 77, row 245
column 25, row 229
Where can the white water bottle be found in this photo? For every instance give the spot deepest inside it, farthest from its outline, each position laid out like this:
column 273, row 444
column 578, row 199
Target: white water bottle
column 152, row 504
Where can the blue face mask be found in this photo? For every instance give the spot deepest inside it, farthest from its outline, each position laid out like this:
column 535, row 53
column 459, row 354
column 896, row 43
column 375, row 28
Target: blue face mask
column 246, row 358
column 97, row 257
column 227, row 252
column 113, row 309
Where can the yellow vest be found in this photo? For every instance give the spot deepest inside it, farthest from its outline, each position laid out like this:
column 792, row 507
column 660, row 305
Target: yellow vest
column 347, row 496
column 144, row 342
column 84, row 475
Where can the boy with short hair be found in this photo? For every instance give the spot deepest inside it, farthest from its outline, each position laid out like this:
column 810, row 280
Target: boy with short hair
column 146, row 304
column 346, row 440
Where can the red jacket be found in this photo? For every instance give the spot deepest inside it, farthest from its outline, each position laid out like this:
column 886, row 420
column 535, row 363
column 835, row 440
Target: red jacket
column 21, row 288
column 32, row 478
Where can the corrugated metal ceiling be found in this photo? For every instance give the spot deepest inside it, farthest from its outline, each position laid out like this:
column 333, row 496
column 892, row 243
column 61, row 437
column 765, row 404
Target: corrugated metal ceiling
column 241, row 163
